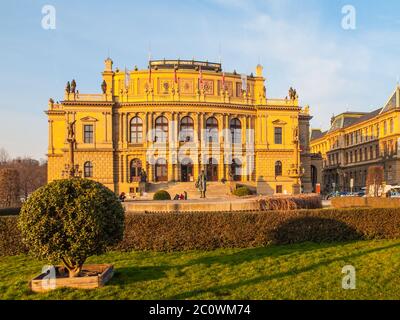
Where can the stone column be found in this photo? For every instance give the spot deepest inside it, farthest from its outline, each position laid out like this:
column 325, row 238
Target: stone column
column 145, row 126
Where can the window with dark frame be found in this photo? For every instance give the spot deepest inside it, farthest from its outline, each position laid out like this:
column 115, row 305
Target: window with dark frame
column 278, row 135
column 279, row 189
column 88, row 133
column 278, row 169
column 88, row 169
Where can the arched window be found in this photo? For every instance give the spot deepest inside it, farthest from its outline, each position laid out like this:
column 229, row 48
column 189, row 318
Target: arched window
column 278, row 168
column 236, row 130
column 88, row 169
column 136, row 130
column 212, row 129
column 161, row 129
column 186, row 129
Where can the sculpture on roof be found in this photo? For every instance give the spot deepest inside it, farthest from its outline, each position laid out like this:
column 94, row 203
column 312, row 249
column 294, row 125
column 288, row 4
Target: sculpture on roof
column 292, row 94
column 68, row 88
column 73, row 86
column 104, row 86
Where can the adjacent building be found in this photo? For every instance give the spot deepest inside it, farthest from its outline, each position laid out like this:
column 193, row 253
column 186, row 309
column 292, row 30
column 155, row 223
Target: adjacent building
column 176, row 118
column 356, row 141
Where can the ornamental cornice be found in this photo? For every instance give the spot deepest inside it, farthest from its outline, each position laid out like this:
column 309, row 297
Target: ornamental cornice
column 186, row 104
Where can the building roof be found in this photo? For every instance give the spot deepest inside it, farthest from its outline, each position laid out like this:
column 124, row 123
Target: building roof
column 347, row 119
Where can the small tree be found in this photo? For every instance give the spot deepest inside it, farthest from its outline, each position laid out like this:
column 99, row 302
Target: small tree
column 69, row 220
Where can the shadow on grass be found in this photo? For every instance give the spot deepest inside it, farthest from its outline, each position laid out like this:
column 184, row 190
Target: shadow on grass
column 322, row 232
column 294, row 271
column 129, row 275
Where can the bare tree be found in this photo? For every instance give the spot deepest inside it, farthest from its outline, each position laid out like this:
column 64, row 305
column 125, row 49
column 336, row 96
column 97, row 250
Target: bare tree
column 4, row 157
column 9, row 187
column 32, row 173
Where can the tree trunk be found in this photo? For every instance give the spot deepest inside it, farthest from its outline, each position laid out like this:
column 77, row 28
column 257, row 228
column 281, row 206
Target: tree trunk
column 74, row 268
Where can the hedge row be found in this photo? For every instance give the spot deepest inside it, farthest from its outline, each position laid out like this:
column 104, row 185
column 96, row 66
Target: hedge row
column 10, row 237
column 302, row 201
column 371, row 202
column 208, row 231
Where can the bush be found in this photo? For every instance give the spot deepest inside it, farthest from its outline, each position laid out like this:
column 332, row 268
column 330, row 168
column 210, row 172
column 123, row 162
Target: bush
column 211, row 230
column 372, row 202
column 162, row 195
column 10, row 237
column 242, row 192
column 302, row 201
column 69, row 220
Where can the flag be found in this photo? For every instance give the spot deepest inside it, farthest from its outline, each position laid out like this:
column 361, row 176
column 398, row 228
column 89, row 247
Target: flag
column 175, row 76
column 149, row 73
column 200, row 78
column 244, row 82
column 127, row 78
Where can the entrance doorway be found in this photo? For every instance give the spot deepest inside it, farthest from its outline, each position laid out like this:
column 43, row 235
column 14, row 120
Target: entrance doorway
column 186, row 170
column 212, row 170
column 161, row 170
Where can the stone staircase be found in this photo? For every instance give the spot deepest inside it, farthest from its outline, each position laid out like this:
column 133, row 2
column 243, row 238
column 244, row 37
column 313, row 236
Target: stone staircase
column 215, row 190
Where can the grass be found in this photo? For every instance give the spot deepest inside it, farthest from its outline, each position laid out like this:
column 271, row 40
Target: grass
column 301, row 271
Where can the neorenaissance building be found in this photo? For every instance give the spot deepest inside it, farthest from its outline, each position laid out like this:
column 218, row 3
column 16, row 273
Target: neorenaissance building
column 356, row 141
column 176, row 118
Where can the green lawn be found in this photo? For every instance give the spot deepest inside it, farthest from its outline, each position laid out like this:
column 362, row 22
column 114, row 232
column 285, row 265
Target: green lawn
column 302, row 271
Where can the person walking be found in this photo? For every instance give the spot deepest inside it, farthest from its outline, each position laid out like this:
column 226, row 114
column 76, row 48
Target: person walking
column 201, row 184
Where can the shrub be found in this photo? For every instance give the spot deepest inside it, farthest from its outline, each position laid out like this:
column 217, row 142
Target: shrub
column 242, row 191
column 69, row 220
column 357, row 202
column 211, row 230
column 302, row 201
column 162, row 195
column 10, row 237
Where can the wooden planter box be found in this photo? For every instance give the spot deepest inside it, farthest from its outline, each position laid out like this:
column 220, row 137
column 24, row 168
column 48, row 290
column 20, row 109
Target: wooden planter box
column 94, row 276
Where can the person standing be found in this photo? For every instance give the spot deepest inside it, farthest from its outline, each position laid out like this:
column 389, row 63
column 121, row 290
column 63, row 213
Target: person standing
column 201, row 184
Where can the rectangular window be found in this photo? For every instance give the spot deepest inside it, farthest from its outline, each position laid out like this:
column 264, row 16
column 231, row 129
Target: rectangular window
column 279, row 189
column 278, row 135
column 88, row 133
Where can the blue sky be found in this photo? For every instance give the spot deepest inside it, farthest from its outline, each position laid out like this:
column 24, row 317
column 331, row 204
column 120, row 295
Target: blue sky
column 299, row 43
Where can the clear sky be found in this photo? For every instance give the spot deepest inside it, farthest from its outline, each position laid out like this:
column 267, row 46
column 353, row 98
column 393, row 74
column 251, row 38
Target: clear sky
column 299, row 43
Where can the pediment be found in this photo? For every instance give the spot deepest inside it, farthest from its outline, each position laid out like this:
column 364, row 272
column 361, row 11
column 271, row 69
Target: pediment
column 89, row 119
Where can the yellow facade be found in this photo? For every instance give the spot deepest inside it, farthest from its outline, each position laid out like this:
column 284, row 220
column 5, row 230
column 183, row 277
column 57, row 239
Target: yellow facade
column 356, row 141
column 124, row 128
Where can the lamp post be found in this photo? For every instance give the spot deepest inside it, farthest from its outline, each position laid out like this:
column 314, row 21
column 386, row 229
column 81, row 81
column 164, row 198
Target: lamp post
column 71, row 170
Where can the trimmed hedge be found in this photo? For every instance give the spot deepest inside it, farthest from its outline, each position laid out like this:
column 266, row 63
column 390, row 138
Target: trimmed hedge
column 208, row 231
column 10, row 237
column 291, row 202
column 162, row 195
column 372, row 202
column 242, row 192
